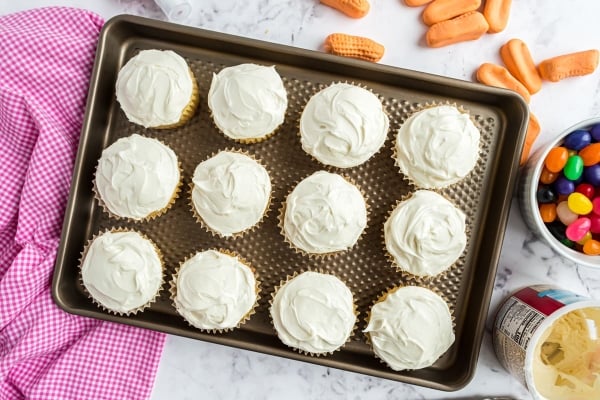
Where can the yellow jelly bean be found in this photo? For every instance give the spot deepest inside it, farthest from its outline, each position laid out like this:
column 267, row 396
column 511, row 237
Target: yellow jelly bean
column 585, row 238
column 579, row 203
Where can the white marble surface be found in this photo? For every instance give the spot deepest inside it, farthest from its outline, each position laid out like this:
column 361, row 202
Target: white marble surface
column 192, row 369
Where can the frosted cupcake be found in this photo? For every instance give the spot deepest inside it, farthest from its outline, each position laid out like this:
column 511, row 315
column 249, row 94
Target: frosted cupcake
column 230, row 192
column 410, row 328
column 137, row 177
column 247, row 102
column 313, row 313
column 425, row 234
column 214, row 291
column 157, row 89
column 122, row 271
column 343, row 125
column 437, row 146
column 324, row 214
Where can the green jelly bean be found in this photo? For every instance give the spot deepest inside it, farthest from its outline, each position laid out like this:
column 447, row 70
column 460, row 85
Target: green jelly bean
column 574, row 168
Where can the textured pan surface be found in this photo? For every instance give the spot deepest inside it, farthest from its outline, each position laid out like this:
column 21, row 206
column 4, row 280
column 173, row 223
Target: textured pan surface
column 484, row 195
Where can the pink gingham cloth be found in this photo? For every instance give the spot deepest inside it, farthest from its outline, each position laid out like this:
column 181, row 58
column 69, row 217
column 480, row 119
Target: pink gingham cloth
column 46, row 57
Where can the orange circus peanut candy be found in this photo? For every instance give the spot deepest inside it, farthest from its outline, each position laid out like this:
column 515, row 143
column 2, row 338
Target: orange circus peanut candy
column 416, row 3
column 345, row 45
column 441, row 10
column 568, row 65
column 517, row 58
column 496, row 13
column 496, row 75
column 352, row 8
column 469, row 26
column 533, row 131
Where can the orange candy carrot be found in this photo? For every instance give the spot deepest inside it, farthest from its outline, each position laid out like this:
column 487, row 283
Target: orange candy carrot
column 496, row 75
column 345, row 45
column 441, row 10
column 568, row 65
column 469, row 26
column 533, row 131
column 352, row 8
column 517, row 59
column 416, row 3
column 496, row 13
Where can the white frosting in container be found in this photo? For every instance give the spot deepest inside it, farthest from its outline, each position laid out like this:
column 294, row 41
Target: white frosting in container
column 411, row 328
column 343, row 125
column 154, row 87
column 137, row 176
column 122, row 271
column 425, row 234
column 437, row 146
column 215, row 290
column 231, row 192
column 247, row 101
column 313, row 312
column 324, row 214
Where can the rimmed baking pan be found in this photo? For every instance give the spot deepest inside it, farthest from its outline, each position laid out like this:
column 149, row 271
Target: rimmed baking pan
column 484, row 196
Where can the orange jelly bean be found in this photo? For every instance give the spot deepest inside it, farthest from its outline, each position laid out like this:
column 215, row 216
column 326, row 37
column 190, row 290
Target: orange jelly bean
column 590, row 154
column 548, row 212
column 548, row 177
column 592, row 247
column 556, row 159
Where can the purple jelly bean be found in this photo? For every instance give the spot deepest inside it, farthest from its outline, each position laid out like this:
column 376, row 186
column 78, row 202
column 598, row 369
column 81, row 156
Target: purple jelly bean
column 592, row 174
column 595, row 131
column 564, row 186
column 577, row 140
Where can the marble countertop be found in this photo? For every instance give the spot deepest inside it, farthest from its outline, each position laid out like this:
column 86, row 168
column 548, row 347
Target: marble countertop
column 194, row 369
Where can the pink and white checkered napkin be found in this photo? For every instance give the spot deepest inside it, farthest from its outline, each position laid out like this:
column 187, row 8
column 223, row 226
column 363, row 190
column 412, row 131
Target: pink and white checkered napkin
column 46, row 57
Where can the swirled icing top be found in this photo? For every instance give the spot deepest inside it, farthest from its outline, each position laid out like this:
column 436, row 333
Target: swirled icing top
column 154, row 87
column 343, row 125
column 137, row 176
column 437, row 146
column 313, row 312
column 247, row 101
column 122, row 271
column 324, row 214
column 411, row 328
column 231, row 192
column 425, row 234
column 215, row 290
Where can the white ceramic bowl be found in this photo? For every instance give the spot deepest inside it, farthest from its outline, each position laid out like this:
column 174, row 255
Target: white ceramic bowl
column 528, row 184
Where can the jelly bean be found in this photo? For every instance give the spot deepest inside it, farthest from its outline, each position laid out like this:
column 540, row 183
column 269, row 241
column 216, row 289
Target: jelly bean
column 585, row 238
column 564, row 214
column 562, row 197
column 548, row 177
column 596, row 205
column 573, row 168
column 548, row 212
column 564, row 186
column 586, row 189
column 545, row 195
column 577, row 140
column 592, row 174
column 590, row 154
column 556, row 159
column 577, row 230
column 571, row 152
column 557, row 230
column 579, row 204
column 591, row 247
column 595, row 223
column 595, row 131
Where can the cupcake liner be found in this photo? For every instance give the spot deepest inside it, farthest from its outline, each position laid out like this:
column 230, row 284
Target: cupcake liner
column 317, row 256
column 419, row 108
column 149, row 303
column 244, row 319
column 188, row 111
column 288, row 278
column 201, row 221
column 321, row 87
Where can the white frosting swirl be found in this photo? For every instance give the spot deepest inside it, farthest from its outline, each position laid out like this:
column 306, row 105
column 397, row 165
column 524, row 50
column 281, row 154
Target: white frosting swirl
column 154, row 88
column 324, row 214
column 437, row 147
column 247, row 101
column 313, row 312
column 215, row 290
column 137, row 176
column 425, row 234
column 411, row 328
column 231, row 192
column 122, row 271
column 343, row 125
